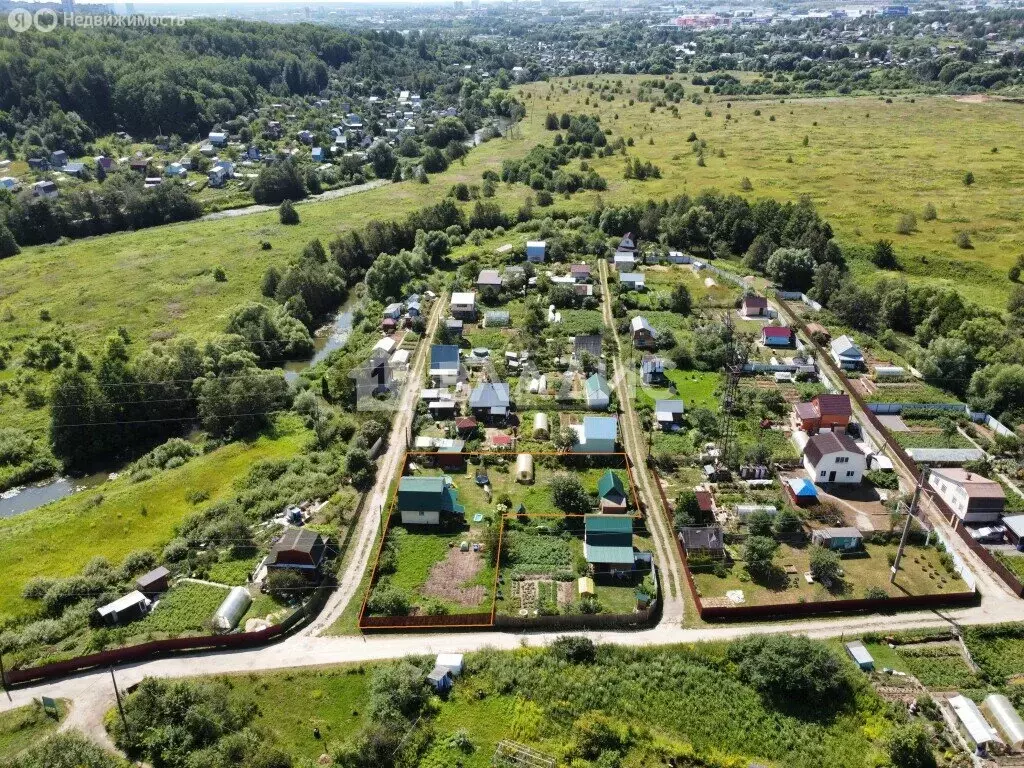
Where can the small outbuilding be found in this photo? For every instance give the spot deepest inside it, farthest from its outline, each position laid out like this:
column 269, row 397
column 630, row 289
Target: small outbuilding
column 585, row 586
column 154, row 582
column 611, row 493
column 801, row 491
column 453, row 661
column 541, row 430
column 859, row 653
column 441, row 679
column 838, row 539
column 130, row 607
column 524, row 468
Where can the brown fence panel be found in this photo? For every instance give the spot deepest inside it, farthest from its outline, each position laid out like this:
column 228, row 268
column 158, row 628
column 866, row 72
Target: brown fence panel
column 1008, row 576
column 143, row 652
column 792, row 610
column 425, row 622
column 596, row 621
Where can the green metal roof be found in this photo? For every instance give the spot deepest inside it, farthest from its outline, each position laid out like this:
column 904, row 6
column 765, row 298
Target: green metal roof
column 610, row 482
column 608, row 524
column 611, row 555
column 428, row 494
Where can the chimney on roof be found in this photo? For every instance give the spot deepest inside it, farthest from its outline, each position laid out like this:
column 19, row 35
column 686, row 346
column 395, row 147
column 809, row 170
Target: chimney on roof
column 968, row 475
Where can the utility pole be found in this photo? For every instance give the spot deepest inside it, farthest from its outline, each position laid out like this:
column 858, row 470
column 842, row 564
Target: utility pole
column 120, row 707
column 906, row 526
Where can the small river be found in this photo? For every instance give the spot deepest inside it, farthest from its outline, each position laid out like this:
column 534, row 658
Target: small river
column 18, row 500
column 327, row 339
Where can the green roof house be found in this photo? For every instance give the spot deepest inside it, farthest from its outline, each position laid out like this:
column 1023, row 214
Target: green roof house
column 608, row 543
column 428, row 500
column 611, row 493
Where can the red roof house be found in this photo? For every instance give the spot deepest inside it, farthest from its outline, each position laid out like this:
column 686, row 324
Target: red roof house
column 776, row 336
column 824, row 412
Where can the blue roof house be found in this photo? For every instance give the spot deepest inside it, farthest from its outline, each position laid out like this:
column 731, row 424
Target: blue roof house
column 535, row 251
column 597, row 434
column 490, row 401
column 634, row 281
column 444, row 364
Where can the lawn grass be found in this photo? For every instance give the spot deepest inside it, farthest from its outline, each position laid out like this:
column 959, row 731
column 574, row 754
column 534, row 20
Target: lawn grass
column 661, row 279
column 865, row 164
column 23, row 727
column 186, row 608
column 921, row 573
column 420, row 549
column 120, row 516
column 697, row 389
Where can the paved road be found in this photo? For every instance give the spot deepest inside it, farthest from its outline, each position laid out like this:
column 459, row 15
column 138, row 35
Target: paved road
column 369, row 522
column 328, row 195
column 667, row 559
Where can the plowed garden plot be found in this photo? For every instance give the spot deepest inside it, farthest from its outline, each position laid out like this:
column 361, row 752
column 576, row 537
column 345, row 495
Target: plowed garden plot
column 447, row 577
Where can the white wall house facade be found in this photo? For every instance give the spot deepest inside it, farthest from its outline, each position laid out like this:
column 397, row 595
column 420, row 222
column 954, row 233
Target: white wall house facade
column 831, row 457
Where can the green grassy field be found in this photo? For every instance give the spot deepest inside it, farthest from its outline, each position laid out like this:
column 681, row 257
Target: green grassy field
column 21, row 728
column 865, row 164
column 695, row 388
column 121, row 516
column 165, row 283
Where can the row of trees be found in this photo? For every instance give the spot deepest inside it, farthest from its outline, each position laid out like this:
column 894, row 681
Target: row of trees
column 120, row 203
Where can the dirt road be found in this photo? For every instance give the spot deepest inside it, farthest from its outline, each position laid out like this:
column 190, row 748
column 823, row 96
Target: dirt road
column 387, row 468
column 331, row 194
column 667, row 560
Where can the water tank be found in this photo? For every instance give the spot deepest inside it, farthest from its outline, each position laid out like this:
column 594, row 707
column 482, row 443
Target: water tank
column 1007, row 720
column 231, row 611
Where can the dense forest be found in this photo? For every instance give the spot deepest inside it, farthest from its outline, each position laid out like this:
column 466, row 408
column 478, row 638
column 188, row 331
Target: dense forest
column 63, row 90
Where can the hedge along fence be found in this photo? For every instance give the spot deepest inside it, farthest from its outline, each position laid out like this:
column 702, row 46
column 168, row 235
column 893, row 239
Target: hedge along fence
column 1008, row 577
column 157, row 648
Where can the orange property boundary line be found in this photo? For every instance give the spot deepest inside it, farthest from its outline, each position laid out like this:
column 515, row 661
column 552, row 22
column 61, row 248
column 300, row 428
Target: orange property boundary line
column 465, row 620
